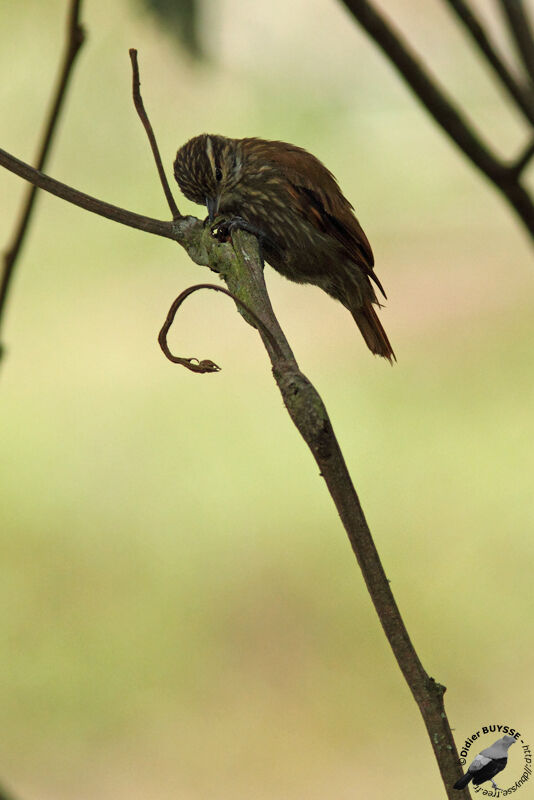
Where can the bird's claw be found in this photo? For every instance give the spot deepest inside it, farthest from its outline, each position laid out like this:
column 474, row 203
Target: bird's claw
column 222, row 228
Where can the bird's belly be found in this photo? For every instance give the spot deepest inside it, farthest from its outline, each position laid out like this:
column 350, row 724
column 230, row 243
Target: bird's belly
column 299, row 252
column 292, row 246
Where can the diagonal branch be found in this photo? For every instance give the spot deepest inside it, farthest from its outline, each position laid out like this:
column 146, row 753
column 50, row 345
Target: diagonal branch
column 305, row 407
column 521, row 30
column 523, row 99
column 443, row 109
column 75, row 39
column 187, row 231
column 85, row 201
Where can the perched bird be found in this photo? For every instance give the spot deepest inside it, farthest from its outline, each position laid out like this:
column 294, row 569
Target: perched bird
column 487, row 764
column 292, row 202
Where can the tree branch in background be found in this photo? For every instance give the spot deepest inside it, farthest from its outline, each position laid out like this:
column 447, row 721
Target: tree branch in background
column 523, row 98
column 524, row 159
column 4, row 795
column 182, row 19
column 434, row 98
column 75, row 39
column 519, row 23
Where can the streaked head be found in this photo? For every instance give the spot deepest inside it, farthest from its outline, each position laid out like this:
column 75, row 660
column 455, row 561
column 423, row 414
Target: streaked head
column 207, row 168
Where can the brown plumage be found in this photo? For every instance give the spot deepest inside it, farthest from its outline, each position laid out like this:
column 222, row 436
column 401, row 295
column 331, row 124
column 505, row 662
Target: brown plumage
column 308, row 229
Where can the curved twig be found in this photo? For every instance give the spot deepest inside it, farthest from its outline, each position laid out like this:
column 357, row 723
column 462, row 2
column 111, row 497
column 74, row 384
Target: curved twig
column 140, row 107
column 207, row 365
column 75, row 39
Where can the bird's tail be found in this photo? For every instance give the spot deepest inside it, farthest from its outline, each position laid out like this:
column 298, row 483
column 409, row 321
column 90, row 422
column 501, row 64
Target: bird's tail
column 462, row 783
column 372, row 331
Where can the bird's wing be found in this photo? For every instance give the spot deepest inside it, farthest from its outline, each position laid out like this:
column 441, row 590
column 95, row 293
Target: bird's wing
column 496, row 765
column 489, row 770
column 315, row 192
column 478, row 762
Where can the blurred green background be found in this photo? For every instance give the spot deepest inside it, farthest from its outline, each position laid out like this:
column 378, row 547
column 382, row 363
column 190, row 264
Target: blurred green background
column 182, row 616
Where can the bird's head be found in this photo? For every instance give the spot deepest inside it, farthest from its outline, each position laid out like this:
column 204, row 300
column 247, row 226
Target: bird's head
column 208, row 170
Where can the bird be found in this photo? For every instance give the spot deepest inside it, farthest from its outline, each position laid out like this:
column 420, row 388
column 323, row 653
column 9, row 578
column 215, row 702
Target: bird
column 306, row 227
column 487, row 764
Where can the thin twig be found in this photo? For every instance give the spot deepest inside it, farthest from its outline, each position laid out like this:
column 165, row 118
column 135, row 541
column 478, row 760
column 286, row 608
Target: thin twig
column 521, row 30
column 139, row 105
column 524, row 100
column 443, row 109
column 75, row 39
column 206, row 365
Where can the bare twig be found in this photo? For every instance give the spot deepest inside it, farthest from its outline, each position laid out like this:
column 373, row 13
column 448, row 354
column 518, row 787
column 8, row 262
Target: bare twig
column 193, row 364
column 139, row 105
column 466, row 15
column 521, row 30
column 39, row 179
column 75, row 39
column 206, row 365
column 442, row 108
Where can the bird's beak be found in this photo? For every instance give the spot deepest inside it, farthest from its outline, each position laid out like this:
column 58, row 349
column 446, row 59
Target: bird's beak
column 212, row 204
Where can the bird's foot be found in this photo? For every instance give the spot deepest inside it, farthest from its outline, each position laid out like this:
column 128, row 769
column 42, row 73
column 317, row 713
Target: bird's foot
column 222, row 228
column 495, row 786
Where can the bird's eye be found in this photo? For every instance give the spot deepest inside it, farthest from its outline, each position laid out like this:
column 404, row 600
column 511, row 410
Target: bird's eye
column 218, row 174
